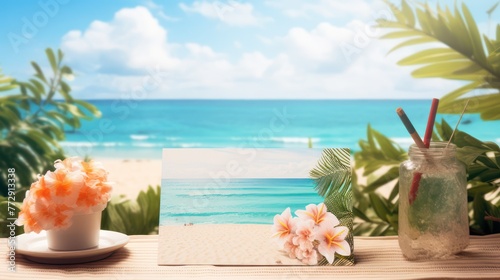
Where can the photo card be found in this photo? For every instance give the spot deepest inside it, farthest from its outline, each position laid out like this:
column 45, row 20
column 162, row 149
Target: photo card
column 235, row 206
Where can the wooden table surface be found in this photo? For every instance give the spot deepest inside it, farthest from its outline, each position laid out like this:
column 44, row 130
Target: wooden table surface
column 376, row 258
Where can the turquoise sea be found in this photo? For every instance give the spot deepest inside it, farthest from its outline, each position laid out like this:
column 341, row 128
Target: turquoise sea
column 237, row 201
column 141, row 128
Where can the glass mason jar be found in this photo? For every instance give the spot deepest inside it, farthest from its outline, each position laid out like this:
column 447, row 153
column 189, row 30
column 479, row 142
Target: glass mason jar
column 433, row 214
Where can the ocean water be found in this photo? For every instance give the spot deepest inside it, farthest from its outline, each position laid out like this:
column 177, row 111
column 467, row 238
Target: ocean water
column 238, row 201
column 140, row 129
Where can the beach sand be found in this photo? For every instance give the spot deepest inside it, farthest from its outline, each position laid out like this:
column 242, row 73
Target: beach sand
column 227, row 244
column 132, row 175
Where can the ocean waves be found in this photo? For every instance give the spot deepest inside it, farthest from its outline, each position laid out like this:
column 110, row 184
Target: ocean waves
column 256, row 124
column 145, row 141
column 235, row 201
column 143, row 146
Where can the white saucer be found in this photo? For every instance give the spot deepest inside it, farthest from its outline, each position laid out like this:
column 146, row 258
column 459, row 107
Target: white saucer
column 34, row 247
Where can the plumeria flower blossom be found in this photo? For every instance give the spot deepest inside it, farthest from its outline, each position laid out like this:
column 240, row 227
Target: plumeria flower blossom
column 314, row 234
column 284, row 226
column 317, row 213
column 304, row 235
column 309, row 256
column 292, row 250
column 331, row 241
column 74, row 187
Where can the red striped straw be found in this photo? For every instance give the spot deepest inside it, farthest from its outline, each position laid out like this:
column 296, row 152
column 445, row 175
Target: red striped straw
column 427, row 141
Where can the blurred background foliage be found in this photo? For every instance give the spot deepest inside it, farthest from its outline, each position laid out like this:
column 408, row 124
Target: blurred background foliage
column 134, row 217
column 33, row 122
column 458, row 55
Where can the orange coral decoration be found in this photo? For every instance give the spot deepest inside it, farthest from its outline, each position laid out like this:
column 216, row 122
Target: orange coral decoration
column 75, row 187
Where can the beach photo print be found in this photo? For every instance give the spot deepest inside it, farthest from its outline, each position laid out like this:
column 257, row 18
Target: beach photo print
column 230, row 206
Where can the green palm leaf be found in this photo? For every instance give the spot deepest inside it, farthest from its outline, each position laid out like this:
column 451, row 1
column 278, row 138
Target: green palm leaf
column 333, row 172
column 333, row 181
column 460, row 56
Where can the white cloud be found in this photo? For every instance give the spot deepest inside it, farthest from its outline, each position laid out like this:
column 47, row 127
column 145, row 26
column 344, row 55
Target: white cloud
column 120, row 55
column 319, row 44
column 231, row 12
column 200, row 50
column 131, row 56
column 254, row 64
column 133, row 40
column 371, row 74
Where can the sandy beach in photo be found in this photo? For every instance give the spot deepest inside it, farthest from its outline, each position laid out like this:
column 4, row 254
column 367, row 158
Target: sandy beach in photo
column 132, row 175
column 220, row 244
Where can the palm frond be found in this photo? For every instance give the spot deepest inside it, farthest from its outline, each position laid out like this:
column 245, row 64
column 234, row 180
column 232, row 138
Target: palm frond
column 460, row 56
column 333, row 171
column 340, row 204
column 333, row 181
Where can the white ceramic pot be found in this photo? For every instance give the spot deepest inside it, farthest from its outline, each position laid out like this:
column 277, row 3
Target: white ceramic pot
column 82, row 234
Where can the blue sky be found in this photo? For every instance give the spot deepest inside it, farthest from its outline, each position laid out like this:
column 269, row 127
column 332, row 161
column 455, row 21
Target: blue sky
column 217, row 49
